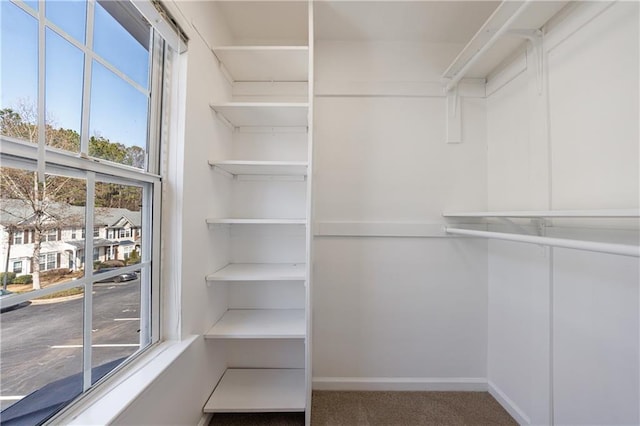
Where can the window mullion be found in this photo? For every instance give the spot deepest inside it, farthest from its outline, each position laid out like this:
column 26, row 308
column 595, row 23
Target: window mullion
column 88, row 287
column 41, row 90
column 86, row 87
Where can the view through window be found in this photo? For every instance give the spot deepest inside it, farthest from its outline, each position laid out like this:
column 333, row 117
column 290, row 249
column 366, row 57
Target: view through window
column 77, row 236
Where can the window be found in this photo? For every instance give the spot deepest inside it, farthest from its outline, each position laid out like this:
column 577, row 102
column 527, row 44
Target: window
column 127, row 251
column 17, row 267
column 51, row 235
column 48, row 261
column 102, row 70
column 124, row 233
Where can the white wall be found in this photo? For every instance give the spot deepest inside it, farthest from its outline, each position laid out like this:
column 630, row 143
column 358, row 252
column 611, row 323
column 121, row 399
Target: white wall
column 395, row 313
column 563, row 324
column 178, row 395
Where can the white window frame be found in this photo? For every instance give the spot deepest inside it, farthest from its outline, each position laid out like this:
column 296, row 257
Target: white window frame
column 20, row 154
column 50, row 235
column 18, row 235
column 13, row 266
column 44, row 265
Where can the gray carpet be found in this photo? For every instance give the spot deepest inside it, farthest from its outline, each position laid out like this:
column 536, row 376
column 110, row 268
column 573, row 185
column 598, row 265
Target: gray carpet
column 385, row 409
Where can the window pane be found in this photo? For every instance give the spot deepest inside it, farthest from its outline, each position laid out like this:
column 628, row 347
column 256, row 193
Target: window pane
column 116, row 319
column 32, row 3
column 41, row 345
column 121, row 36
column 70, row 15
column 119, row 217
column 64, row 71
column 45, row 237
column 116, row 298
column 118, row 123
column 19, row 69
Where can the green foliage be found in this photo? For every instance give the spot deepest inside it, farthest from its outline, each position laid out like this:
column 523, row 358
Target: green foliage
column 11, row 276
column 134, row 258
column 23, row 279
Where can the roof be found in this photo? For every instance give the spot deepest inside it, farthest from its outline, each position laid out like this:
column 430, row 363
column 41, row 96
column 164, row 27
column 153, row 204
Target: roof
column 97, row 242
column 15, row 212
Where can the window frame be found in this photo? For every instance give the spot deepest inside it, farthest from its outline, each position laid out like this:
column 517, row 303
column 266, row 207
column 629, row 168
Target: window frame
column 24, row 155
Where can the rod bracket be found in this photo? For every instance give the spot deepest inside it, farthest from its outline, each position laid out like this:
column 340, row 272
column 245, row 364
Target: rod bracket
column 535, row 38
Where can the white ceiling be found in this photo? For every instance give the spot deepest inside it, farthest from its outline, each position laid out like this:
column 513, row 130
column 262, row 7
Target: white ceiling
column 425, row 21
column 263, row 22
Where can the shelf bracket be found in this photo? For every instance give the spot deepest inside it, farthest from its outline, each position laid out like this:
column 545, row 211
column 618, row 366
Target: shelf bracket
column 535, row 37
column 454, row 116
column 223, row 172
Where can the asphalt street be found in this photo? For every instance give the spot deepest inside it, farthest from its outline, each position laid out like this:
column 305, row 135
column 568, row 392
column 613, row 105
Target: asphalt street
column 40, row 343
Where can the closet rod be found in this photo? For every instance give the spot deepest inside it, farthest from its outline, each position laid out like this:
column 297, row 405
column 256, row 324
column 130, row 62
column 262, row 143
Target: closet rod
column 621, row 249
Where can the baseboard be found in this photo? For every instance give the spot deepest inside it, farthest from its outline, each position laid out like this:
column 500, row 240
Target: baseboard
column 205, row 419
column 511, row 407
column 469, row 384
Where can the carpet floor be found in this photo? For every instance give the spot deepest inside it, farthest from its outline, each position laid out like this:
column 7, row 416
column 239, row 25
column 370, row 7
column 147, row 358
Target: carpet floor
column 385, row 409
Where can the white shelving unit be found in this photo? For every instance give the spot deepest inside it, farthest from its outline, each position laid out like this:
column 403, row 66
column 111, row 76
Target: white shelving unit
column 258, row 390
column 265, row 63
column 260, row 272
column 269, row 112
column 263, row 114
column 259, row 324
column 261, row 168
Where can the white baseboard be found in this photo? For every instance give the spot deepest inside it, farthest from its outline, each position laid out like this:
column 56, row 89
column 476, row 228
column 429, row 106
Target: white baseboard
column 469, row 384
column 511, row 407
column 205, row 419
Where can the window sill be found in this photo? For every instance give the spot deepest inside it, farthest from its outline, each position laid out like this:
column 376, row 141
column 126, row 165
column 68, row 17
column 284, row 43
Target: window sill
column 108, row 401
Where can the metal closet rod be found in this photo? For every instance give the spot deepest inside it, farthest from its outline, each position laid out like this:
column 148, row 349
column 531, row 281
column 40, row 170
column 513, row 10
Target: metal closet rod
column 620, row 249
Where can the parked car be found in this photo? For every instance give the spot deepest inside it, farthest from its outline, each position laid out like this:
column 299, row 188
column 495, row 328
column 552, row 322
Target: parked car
column 7, row 307
column 125, row 276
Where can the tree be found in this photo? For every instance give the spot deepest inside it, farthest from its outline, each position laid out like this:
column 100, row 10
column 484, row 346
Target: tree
column 19, row 122
column 45, row 205
column 33, row 206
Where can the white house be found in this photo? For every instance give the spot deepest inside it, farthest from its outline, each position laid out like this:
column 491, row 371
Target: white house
column 117, row 233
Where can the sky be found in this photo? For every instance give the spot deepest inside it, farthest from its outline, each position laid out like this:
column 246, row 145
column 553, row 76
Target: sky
column 118, row 111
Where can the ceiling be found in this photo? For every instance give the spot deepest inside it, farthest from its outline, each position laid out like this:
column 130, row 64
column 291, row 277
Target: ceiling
column 423, row 21
column 451, row 21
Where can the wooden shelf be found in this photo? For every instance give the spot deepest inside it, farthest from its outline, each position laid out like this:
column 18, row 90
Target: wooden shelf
column 487, row 52
column 260, row 272
column 265, row 63
column 262, row 168
column 254, row 114
column 259, row 324
column 258, row 390
column 623, row 213
column 233, row 221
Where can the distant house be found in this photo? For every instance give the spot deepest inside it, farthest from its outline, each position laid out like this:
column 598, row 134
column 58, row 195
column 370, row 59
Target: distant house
column 117, row 233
